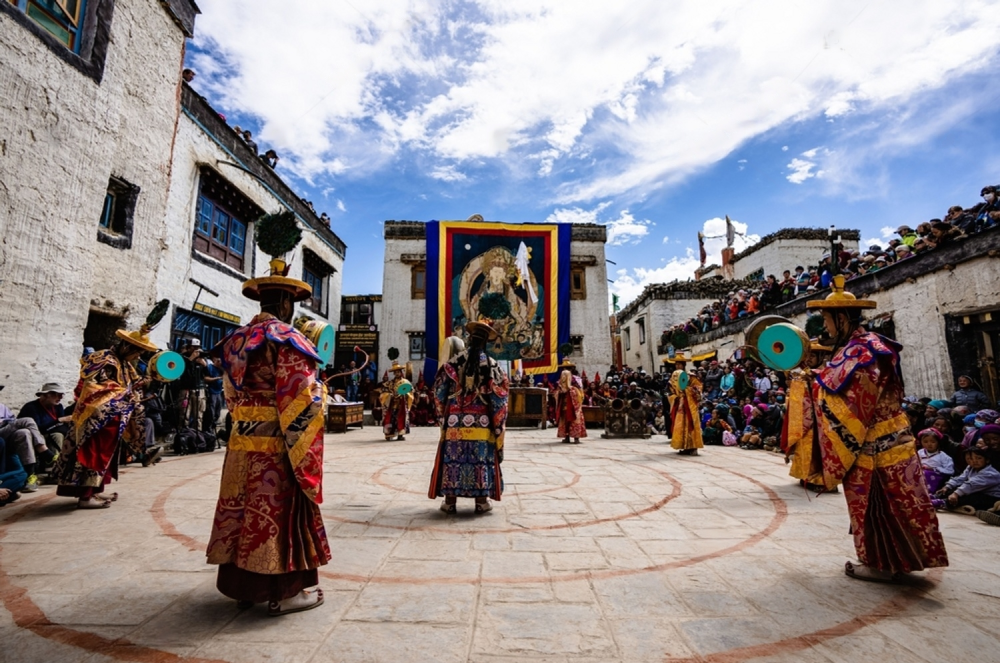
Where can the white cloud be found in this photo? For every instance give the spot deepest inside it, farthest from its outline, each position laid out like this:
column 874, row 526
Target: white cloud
column 576, row 214
column 666, row 240
column 341, row 206
column 784, row 148
column 661, row 89
column 628, row 285
column 802, row 169
column 448, row 174
column 625, row 229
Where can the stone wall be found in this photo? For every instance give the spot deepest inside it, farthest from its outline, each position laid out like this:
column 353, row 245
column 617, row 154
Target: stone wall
column 64, row 134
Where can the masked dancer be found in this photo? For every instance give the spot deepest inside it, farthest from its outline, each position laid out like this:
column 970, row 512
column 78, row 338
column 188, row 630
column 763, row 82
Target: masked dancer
column 685, row 399
column 268, row 536
column 470, row 395
column 859, row 436
column 108, row 413
column 397, row 399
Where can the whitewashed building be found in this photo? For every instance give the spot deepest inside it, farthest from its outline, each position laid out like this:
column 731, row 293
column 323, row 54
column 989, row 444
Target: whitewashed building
column 403, row 296
column 119, row 186
column 787, row 248
column 89, row 96
column 659, row 307
column 218, row 188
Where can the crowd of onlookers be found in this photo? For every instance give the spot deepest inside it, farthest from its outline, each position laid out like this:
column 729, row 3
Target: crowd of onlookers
column 773, row 291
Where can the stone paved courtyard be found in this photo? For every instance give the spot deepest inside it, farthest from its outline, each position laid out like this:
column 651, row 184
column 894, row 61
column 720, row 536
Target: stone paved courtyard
column 613, row 550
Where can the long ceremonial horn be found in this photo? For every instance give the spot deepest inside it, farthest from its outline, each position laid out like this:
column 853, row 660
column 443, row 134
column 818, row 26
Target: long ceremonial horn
column 356, row 370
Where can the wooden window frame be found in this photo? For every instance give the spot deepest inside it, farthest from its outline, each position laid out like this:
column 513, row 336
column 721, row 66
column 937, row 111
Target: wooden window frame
column 641, row 325
column 206, row 239
column 114, row 226
column 421, row 353
column 69, row 24
column 316, row 271
column 574, row 291
column 415, row 291
column 628, row 339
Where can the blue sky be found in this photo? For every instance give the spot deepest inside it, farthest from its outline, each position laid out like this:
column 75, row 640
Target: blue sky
column 654, row 118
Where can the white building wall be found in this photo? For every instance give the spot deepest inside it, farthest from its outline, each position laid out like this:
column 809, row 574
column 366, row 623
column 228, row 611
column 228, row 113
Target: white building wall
column 64, row 136
column 195, row 148
column 400, row 313
column 784, row 254
column 660, row 315
column 589, row 317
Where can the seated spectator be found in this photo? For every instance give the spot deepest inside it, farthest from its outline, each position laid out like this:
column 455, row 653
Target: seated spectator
column 903, row 251
column 943, row 233
column 975, row 489
column 27, row 442
column 49, row 415
column 988, row 213
column 270, row 158
column 907, row 234
column 969, row 395
column 13, row 478
column 953, row 216
column 188, row 75
column 248, row 139
column 717, row 425
column 659, row 426
column 937, row 465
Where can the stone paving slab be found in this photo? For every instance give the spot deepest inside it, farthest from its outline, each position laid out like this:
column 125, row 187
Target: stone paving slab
column 613, row 550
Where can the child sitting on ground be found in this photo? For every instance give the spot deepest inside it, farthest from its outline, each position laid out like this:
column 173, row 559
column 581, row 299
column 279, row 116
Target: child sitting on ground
column 975, row 489
column 937, row 465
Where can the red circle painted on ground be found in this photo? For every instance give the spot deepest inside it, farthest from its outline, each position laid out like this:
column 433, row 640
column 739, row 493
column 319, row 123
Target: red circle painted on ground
column 27, row 615
column 377, row 478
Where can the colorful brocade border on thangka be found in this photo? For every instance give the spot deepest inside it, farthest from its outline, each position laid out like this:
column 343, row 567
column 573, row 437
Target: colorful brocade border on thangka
column 460, row 258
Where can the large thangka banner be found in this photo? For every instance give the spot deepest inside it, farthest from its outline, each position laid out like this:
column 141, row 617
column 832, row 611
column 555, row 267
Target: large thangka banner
column 516, row 274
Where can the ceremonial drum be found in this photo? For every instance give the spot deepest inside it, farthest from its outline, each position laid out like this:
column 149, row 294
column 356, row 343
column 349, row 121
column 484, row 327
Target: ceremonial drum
column 166, row 366
column 321, row 335
column 683, row 380
column 404, row 388
column 782, row 346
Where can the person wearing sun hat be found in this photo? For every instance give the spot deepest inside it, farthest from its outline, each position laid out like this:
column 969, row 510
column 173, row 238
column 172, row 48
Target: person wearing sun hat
column 109, row 413
column 268, row 537
column 865, row 443
column 685, row 399
column 470, row 398
column 396, row 403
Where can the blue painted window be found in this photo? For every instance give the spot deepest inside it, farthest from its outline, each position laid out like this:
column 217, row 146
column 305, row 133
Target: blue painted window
column 237, row 236
column 220, row 231
column 204, row 216
column 63, row 19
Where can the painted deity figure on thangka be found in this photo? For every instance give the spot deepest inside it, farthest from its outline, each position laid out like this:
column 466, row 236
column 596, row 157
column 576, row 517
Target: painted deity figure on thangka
column 685, row 399
column 470, row 394
column 268, row 536
column 396, row 399
column 846, row 426
column 569, row 405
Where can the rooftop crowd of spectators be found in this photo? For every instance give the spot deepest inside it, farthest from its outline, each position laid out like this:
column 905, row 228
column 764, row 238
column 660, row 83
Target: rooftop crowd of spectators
column 773, row 291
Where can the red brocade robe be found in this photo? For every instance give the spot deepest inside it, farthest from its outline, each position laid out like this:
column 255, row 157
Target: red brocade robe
column 108, row 412
column 849, row 427
column 267, row 519
column 569, row 412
